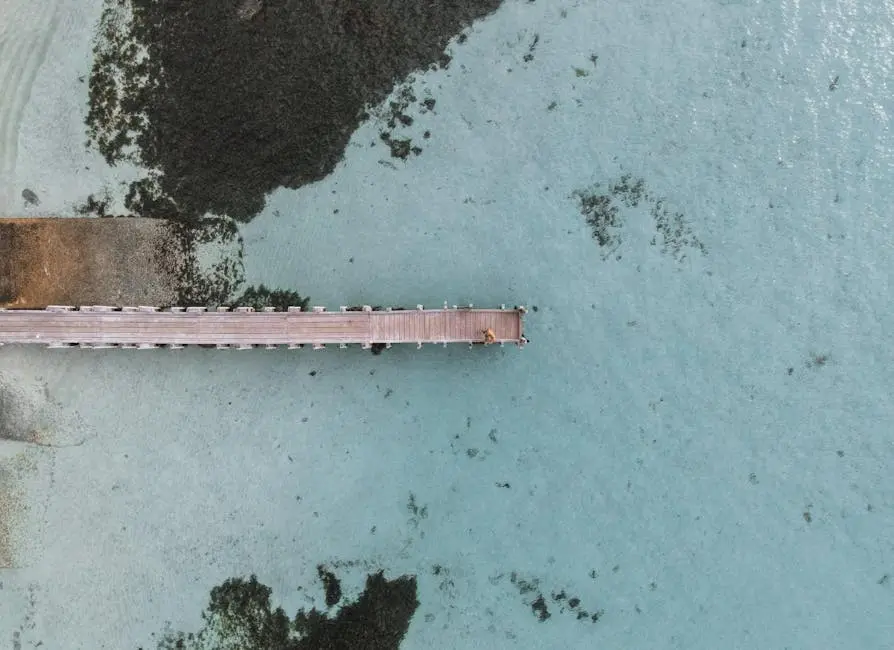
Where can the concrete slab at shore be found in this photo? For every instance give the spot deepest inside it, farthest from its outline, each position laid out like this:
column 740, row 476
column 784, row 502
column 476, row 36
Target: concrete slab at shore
column 87, row 261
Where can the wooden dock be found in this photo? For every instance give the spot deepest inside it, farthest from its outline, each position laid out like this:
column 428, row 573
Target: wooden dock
column 245, row 328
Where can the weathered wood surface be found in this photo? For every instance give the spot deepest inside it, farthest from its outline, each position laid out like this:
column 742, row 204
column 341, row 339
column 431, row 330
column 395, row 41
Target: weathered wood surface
column 93, row 327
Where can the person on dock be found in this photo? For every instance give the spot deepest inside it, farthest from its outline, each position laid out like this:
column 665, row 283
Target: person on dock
column 489, row 336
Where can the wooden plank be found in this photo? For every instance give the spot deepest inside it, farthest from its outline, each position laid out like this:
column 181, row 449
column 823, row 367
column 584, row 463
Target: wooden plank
column 149, row 327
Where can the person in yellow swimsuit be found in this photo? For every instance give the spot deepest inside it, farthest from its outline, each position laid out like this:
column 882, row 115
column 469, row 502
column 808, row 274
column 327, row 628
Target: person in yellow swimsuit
column 489, row 336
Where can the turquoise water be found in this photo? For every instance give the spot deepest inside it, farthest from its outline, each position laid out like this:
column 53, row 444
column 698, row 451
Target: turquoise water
column 695, row 444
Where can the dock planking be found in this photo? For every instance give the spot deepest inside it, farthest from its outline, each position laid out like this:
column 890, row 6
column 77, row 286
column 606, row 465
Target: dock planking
column 245, row 328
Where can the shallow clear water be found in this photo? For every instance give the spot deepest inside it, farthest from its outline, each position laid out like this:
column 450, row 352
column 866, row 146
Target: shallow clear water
column 696, row 445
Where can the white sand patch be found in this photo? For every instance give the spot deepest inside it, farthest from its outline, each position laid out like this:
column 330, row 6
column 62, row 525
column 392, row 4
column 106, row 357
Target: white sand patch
column 32, row 430
column 25, row 481
column 45, row 58
column 26, row 31
column 29, row 415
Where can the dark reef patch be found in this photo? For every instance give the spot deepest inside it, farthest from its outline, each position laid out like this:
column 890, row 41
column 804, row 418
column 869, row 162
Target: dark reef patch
column 395, row 118
column 530, row 590
column 602, row 215
column 602, row 211
column 97, row 207
column 239, row 614
column 218, row 283
column 14, row 415
column 209, row 286
column 227, row 100
column 280, row 299
column 331, row 585
column 8, row 276
column 30, row 197
column 378, row 620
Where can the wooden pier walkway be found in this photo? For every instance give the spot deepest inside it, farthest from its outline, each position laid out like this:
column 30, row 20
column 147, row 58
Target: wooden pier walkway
column 245, row 328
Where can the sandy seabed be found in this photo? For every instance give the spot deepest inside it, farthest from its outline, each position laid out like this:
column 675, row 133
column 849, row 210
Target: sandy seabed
column 695, row 446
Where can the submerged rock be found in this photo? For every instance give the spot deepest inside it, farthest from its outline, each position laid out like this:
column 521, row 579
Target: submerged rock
column 30, row 197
